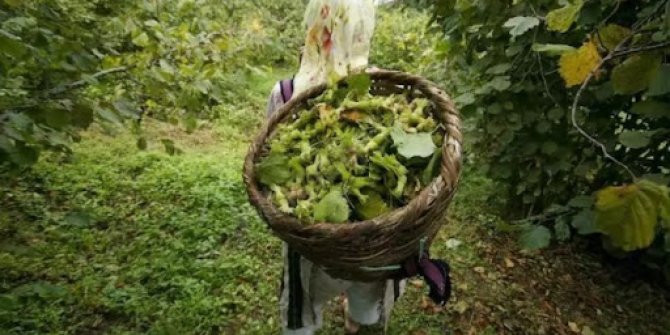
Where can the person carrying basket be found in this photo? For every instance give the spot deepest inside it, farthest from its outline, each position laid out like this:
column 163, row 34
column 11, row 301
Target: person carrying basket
column 338, row 43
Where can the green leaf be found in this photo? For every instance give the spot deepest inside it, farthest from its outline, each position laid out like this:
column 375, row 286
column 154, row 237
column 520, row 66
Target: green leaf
column 373, row 207
column 499, row 69
column 552, row 49
column 169, row 146
column 635, row 73
column 126, row 108
column 142, row 143
column 636, row 139
column 57, row 118
column 535, row 237
column 11, row 44
column 332, row 208
column 81, row 115
column 561, row 19
column 359, row 83
column 500, row 83
column 465, row 99
column 412, row 145
column 8, row 302
column 581, row 201
column 652, row 109
column 190, row 123
column 661, row 83
column 141, row 40
column 562, row 230
column 108, row 115
column 24, row 155
column 519, row 25
column 78, row 219
column 273, row 170
column 629, row 214
column 549, row 147
column 49, row 291
column 611, row 35
column 584, row 222
column 433, row 168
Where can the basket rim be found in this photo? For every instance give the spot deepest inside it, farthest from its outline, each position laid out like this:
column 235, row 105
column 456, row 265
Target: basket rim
column 441, row 183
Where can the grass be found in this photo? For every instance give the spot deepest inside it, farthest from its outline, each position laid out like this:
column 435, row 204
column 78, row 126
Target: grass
column 114, row 240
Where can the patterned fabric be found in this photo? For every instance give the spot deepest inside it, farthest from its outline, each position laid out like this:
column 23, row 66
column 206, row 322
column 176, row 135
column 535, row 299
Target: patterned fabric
column 337, row 41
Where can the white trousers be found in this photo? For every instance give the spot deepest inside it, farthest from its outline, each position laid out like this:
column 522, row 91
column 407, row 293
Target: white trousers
column 306, row 289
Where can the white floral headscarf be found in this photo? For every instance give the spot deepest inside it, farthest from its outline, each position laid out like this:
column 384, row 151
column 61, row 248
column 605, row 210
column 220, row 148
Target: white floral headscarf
column 337, row 41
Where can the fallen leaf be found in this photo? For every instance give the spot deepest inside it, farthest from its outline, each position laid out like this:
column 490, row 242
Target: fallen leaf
column 418, row 283
column 461, row 307
column 509, row 263
column 479, row 269
column 573, row 327
column 453, row 243
column 587, row 331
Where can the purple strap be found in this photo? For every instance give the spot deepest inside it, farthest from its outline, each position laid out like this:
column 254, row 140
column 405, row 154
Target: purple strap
column 435, row 273
column 286, row 87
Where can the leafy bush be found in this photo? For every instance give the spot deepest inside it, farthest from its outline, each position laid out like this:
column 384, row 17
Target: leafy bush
column 520, row 66
column 66, row 64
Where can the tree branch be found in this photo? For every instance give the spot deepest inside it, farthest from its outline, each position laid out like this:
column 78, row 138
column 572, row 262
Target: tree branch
column 575, row 105
column 650, row 47
column 78, row 83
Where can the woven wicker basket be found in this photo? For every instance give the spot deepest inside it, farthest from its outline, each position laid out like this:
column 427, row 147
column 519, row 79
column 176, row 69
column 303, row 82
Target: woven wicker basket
column 367, row 250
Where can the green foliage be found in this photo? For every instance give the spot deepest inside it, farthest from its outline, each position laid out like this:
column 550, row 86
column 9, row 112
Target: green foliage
column 405, row 41
column 503, row 73
column 67, row 64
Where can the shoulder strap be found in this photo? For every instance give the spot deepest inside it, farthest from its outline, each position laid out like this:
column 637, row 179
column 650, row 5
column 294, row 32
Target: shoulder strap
column 286, row 87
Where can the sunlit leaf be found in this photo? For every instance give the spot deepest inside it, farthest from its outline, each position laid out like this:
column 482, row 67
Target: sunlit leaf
column 413, row 145
column 629, row 214
column 332, row 208
column 575, row 66
column 373, row 207
column 273, row 169
column 519, row 25
column 141, row 40
column 561, row 19
column 552, row 49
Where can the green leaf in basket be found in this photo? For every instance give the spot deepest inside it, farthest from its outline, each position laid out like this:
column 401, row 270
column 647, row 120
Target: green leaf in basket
column 332, row 208
column 412, row 145
column 273, row 170
column 373, row 207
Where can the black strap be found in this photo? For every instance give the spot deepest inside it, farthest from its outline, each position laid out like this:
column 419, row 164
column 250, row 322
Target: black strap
column 295, row 294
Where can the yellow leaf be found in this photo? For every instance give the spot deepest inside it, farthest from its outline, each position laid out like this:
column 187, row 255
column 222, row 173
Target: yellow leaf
column 611, row 35
column 561, row 19
column 629, row 215
column 576, row 65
